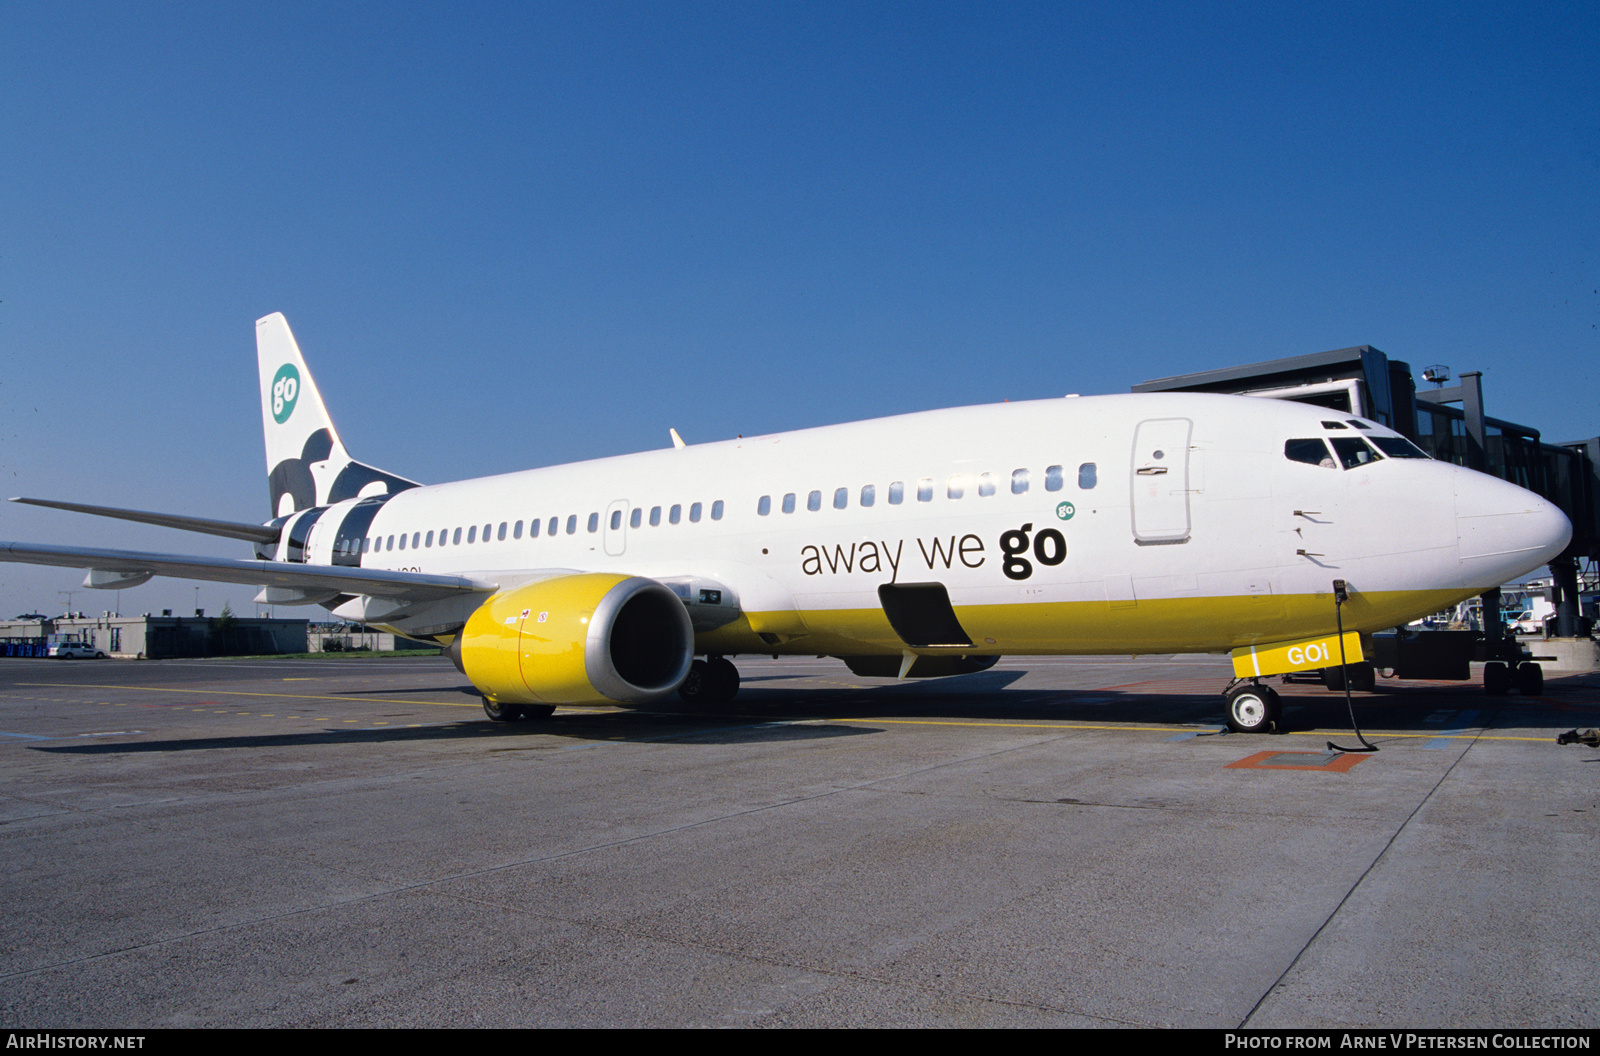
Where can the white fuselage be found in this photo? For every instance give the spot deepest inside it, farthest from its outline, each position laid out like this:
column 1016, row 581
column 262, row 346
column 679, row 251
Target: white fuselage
column 1138, row 523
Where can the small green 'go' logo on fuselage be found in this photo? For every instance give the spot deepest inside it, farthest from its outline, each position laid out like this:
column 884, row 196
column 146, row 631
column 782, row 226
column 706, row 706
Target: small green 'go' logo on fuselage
column 285, row 388
column 1065, row 511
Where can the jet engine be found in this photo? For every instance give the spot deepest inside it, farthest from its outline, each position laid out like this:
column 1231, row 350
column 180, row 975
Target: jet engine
column 590, row 638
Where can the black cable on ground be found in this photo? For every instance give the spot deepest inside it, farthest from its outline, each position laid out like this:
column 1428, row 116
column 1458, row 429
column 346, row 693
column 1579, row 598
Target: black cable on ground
column 1341, row 594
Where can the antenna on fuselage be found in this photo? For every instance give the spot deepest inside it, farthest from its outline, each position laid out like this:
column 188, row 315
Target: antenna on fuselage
column 677, row 441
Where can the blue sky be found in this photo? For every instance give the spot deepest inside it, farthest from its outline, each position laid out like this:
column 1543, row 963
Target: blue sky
column 510, row 235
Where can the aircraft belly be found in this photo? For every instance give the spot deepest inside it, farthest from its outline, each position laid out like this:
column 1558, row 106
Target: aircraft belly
column 1154, row 625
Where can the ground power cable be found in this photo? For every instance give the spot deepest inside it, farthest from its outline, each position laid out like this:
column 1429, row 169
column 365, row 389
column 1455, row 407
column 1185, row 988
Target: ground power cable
column 1341, row 594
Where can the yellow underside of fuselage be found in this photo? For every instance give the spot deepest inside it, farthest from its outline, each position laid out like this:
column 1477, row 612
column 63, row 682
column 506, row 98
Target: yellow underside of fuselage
column 1164, row 625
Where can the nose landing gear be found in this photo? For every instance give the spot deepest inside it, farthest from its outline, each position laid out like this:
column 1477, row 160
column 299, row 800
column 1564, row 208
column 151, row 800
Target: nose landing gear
column 1252, row 707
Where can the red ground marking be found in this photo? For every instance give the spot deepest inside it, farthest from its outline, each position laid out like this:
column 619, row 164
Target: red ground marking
column 1339, row 765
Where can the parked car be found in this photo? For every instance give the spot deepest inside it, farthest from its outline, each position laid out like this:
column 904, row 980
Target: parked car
column 75, row 651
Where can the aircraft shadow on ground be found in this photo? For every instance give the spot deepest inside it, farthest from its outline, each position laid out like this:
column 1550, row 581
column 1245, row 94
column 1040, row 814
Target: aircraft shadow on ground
column 800, row 713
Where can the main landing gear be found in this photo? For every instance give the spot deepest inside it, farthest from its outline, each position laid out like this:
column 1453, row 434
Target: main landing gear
column 499, row 711
column 1252, row 707
column 712, row 682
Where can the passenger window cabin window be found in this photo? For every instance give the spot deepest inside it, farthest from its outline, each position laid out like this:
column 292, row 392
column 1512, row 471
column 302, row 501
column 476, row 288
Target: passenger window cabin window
column 1088, row 476
column 814, row 501
column 455, row 540
column 500, row 536
column 402, row 540
column 1052, row 478
column 956, row 487
column 925, row 489
column 488, row 530
column 764, row 506
column 788, row 503
column 594, row 522
column 616, row 519
column 675, row 514
column 655, row 516
column 516, row 530
column 716, row 510
column 533, row 527
column 694, row 513
column 636, row 518
column 553, row 526
column 897, row 493
column 841, row 498
column 986, row 485
column 429, row 543
column 572, row 524
column 472, row 534
column 1310, row 450
column 869, row 494
column 1019, row 482
column 416, row 537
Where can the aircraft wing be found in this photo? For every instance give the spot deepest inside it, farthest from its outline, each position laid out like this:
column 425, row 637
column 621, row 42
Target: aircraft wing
column 129, row 567
column 250, row 533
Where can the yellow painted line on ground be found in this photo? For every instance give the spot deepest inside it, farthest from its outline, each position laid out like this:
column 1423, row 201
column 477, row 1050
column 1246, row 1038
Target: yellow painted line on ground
column 1170, row 729
column 242, row 693
column 1004, row 725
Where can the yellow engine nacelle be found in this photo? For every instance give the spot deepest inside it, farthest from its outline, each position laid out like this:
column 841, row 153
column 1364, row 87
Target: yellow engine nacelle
column 581, row 639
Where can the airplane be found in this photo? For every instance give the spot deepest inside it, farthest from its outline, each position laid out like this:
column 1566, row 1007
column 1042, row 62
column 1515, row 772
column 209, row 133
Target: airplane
column 920, row 545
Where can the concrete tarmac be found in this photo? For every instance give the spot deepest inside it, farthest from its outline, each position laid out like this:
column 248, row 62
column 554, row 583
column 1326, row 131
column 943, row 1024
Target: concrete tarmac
column 1054, row 842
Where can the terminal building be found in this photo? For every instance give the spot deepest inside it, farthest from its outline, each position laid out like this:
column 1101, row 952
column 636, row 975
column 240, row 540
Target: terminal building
column 150, row 637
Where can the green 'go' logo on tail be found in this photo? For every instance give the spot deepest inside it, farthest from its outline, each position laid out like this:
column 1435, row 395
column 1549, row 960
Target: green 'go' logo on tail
column 285, row 387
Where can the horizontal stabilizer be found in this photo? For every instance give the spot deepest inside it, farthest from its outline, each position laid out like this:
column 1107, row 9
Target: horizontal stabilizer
column 333, row 579
column 250, row 533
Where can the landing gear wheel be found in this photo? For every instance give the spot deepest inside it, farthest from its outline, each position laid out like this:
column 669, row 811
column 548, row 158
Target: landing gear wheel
column 502, row 712
column 1252, row 708
column 696, row 683
column 1530, row 680
column 725, row 677
column 710, row 683
column 1496, row 679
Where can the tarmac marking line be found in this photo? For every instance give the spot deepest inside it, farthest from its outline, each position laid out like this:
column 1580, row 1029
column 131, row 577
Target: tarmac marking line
column 242, row 693
column 1159, row 729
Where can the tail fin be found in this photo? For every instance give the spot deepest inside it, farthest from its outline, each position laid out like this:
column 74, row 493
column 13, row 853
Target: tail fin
column 307, row 464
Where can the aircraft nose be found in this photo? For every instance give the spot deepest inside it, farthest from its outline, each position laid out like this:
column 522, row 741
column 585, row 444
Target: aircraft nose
column 1504, row 531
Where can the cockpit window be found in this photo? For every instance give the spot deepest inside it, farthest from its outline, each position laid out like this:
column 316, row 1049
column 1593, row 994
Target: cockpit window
column 1397, row 447
column 1311, row 450
column 1354, row 451
column 1333, row 425
column 1359, row 424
